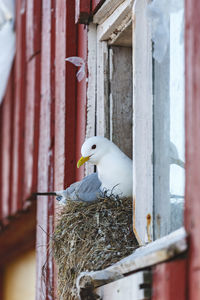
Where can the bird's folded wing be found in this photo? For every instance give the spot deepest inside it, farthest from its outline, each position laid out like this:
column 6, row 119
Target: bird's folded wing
column 87, row 190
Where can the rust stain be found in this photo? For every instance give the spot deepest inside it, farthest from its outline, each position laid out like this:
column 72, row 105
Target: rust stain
column 134, row 227
column 149, row 227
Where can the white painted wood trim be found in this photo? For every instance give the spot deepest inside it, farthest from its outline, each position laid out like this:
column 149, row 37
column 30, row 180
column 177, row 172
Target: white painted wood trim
column 91, row 88
column 102, row 89
column 142, row 125
column 117, row 21
column 106, row 10
column 156, row 252
column 129, row 288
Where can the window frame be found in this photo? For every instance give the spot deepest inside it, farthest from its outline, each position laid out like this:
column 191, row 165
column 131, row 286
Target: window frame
column 102, row 32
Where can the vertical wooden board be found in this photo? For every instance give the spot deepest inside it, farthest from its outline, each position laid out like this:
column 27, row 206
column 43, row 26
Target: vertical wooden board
column 82, row 11
column 33, row 36
column 169, row 281
column 81, row 99
column 102, row 107
column 70, row 94
column 142, row 125
column 91, row 88
column 44, row 160
column 6, row 149
column 192, row 115
column 19, row 108
column 121, row 97
column 161, row 139
column 96, row 4
column 60, row 110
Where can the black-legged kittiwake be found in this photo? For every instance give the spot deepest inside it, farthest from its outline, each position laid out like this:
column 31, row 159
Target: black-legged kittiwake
column 114, row 172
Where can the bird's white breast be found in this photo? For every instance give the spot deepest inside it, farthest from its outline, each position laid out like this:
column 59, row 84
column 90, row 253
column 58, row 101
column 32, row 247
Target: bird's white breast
column 115, row 173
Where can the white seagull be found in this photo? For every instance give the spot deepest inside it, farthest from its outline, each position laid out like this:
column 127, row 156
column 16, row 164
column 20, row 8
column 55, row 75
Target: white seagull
column 114, row 173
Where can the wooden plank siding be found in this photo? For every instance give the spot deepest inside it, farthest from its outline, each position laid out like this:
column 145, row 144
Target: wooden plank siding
column 81, row 98
column 169, row 281
column 192, row 118
column 82, row 12
column 45, row 205
column 32, row 108
column 19, row 109
column 7, row 143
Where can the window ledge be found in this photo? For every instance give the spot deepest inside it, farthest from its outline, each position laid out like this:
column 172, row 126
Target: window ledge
column 158, row 251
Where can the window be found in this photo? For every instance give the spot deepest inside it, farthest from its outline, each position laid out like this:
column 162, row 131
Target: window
column 111, row 61
column 139, row 104
column 168, row 120
column 158, row 145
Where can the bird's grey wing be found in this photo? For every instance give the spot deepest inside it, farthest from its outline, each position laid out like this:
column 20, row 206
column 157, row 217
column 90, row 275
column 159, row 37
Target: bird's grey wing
column 87, row 190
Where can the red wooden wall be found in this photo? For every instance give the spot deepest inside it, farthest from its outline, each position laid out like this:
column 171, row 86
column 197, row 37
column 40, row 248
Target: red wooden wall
column 43, row 119
column 42, row 127
column 192, row 114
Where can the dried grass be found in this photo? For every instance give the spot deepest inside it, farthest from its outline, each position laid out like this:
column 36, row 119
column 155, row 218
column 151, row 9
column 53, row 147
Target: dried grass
column 90, row 237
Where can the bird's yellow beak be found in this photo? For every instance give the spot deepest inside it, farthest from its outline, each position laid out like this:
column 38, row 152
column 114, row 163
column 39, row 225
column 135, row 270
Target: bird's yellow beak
column 82, row 160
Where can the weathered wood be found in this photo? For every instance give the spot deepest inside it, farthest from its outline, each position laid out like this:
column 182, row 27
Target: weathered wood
column 116, row 22
column 6, row 144
column 71, row 100
column 102, row 115
column 81, row 99
column 65, row 99
column 45, row 207
column 32, row 109
column 161, row 155
column 156, row 252
column 82, row 11
column 96, row 4
column 124, row 37
column 136, row 286
column 120, row 96
column 105, row 10
column 142, row 125
column 91, row 88
column 169, row 281
column 192, row 111
column 19, row 108
column 60, row 90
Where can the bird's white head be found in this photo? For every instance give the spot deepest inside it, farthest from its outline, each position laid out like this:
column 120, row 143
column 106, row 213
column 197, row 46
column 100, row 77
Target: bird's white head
column 93, row 150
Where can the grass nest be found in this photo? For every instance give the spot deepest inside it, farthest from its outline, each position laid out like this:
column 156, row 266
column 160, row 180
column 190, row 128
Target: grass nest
column 91, row 237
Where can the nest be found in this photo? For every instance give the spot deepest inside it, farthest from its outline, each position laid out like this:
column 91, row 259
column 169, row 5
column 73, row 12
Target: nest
column 91, row 237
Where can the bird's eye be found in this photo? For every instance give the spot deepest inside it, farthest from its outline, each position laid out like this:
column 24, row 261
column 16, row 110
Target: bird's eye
column 94, row 146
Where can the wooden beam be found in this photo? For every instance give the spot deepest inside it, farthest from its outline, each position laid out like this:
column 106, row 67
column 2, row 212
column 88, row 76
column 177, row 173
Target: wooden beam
column 192, row 114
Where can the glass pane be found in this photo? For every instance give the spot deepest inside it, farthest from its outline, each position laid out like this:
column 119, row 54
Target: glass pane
column 169, row 134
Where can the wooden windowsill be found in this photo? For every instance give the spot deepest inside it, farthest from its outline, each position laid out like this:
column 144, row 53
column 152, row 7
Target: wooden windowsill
column 158, row 251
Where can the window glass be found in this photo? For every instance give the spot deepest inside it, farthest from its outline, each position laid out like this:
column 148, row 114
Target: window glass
column 168, row 120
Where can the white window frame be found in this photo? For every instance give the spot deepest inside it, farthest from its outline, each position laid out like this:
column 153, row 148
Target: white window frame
column 101, row 33
column 108, row 23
